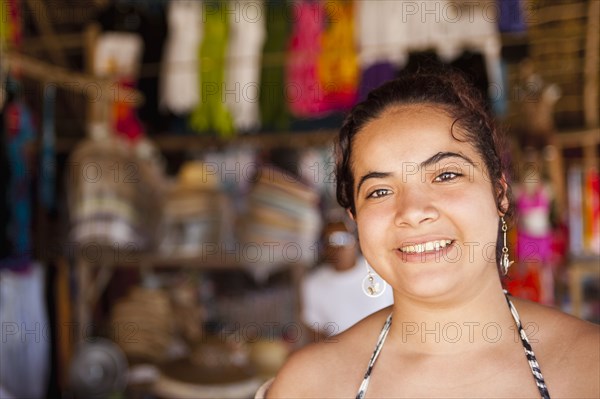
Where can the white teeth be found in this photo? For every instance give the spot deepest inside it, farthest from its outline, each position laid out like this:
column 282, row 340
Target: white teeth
column 427, row 246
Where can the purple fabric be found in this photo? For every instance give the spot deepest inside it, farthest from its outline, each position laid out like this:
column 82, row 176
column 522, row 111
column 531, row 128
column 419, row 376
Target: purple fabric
column 511, row 16
column 374, row 76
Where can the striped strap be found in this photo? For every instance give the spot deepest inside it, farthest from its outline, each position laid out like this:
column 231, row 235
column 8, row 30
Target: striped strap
column 531, row 359
column 365, row 383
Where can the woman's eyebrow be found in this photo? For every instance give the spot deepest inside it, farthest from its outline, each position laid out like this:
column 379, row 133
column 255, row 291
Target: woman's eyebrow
column 443, row 155
column 371, row 175
column 428, row 162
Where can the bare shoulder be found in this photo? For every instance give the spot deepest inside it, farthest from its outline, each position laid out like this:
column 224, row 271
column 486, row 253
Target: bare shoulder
column 331, row 368
column 567, row 348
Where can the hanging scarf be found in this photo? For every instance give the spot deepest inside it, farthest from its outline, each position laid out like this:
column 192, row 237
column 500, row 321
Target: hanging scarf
column 118, row 54
column 274, row 112
column 305, row 94
column 179, row 77
column 338, row 70
column 246, row 38
column 18, row 127
column 211, row 114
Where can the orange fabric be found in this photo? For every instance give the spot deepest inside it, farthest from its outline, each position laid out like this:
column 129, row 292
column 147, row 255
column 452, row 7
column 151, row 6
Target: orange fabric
column 338, row 70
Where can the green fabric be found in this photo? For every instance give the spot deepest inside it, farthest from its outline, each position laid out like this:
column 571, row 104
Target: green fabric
column 211, row 113
column 273, row 105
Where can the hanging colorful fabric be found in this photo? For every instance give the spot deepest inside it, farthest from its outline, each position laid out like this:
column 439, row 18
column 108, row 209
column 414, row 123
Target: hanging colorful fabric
column 304, row 92
column 4, row 34
column 211, row 114
column 274, row 112
column 127, row 122
column 19, row 139
column 381, row 32
column 26, row 340
column 246, row 39
column 11, row 36
column 117, row 55
column 338, row 69
column 11, row 13
column 374, row 76
column 179, row 75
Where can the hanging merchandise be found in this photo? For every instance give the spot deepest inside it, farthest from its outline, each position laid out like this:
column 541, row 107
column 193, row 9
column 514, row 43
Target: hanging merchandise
column 381, row 34
column 4, row 32
column 197, row 214
column 25, row 345
column 469, row 29
column 282, row 219
column 19, row 131
column 117, row 56
column 11, row 14
column 274, row 112
column 338, row 69
column 374, row 76
column 211, row 114
column 534, row 234
column 380, row 41
column 304, row 92
column 4, row 182
column 388, row 31
column 179, row 75
column 115, row 195
column 246, row 38
column 11, row 35
column 511, row 16
column 47, row 175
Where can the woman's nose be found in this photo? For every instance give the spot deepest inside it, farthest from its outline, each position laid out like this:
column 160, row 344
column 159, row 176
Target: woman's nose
column 414, row 207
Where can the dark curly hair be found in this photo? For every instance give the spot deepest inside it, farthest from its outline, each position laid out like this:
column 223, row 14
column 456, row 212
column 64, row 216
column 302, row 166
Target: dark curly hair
column 448, row 90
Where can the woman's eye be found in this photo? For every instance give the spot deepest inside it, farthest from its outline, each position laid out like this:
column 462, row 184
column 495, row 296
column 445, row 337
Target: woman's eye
column 381, row 192
column 446, row 176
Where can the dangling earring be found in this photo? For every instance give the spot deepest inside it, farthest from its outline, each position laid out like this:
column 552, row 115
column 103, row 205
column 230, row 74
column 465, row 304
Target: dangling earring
column 373, row 285
column 505, row 262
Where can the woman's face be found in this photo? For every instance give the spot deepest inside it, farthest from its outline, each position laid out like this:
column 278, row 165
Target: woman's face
column 426, row 215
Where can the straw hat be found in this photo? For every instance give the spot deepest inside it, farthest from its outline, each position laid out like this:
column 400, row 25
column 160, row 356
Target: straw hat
column 196, row 175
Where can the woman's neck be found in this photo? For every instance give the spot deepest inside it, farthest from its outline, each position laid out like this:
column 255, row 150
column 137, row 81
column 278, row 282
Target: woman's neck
column 472, row 318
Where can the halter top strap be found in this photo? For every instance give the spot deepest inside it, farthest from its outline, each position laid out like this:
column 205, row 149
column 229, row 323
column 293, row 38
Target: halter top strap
column 531, row 359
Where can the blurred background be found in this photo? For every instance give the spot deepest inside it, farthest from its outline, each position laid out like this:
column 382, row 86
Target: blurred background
column 167, row 204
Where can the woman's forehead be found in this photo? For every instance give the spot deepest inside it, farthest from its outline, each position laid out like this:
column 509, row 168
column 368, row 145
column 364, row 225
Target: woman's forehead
column 408, row 134
column 409, row 126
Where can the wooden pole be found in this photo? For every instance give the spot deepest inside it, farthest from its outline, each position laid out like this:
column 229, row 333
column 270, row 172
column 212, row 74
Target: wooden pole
column 590, row 82
column 90, row 86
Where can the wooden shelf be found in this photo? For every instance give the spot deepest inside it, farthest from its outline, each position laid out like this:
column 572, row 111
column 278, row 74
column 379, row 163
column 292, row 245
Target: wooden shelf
column 218, row 261
column 93, row 277
column 196, row 142
column 578, row 138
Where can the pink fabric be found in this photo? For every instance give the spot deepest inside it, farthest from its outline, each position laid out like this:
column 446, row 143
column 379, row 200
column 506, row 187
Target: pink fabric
column 304, row 92
column 127, row 123
column 533, row 248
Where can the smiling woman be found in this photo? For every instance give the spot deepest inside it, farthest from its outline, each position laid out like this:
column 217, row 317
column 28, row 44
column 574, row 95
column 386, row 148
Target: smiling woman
column 419, row 169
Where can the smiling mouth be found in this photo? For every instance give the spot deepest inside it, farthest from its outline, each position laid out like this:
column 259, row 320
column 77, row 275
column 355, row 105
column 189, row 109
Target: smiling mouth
column 425, row 247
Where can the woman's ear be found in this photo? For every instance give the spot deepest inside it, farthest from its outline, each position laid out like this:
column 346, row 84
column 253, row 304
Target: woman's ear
column 504, row 202
column 350, row 214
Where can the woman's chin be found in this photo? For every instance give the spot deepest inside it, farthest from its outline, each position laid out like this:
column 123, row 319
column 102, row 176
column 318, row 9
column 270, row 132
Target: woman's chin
column 432, row 286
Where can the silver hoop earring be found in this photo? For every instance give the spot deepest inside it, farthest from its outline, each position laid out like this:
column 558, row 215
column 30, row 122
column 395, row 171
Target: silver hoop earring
column 373, row 285
column 505, row 262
